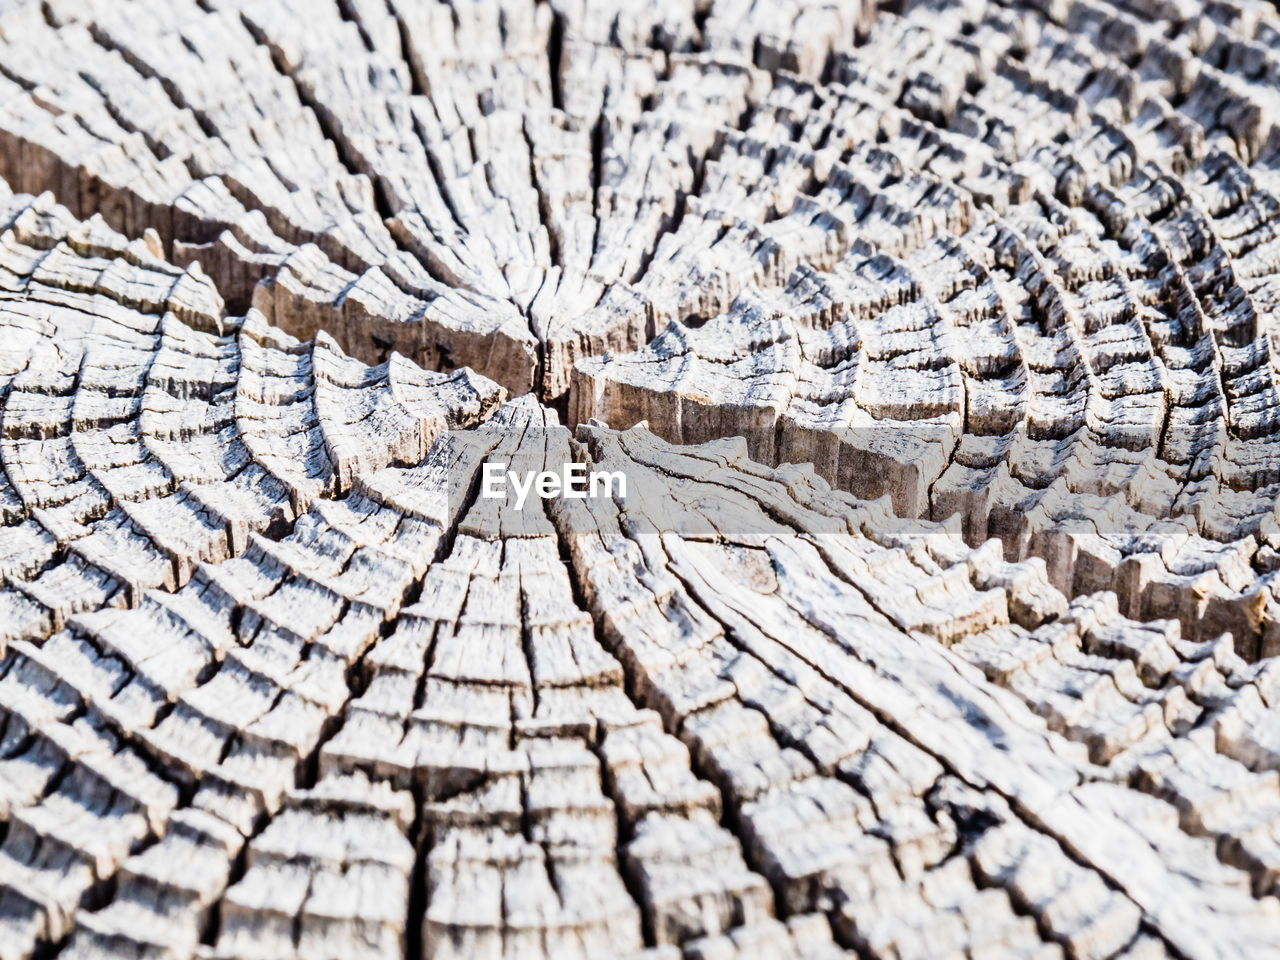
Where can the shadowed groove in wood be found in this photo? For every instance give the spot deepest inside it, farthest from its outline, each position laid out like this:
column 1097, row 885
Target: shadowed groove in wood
column 275, row 681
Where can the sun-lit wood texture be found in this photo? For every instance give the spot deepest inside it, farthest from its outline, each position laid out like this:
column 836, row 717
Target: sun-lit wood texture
column 936, row 345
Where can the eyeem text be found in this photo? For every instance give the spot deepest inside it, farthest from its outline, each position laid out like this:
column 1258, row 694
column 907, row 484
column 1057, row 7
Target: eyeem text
column 573, row 482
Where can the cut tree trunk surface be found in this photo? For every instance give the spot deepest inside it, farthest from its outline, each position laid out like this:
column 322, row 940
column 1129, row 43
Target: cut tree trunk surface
column 937, row 349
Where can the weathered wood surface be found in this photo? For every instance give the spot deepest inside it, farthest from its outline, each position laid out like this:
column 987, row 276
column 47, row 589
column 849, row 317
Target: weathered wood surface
column 939, row 619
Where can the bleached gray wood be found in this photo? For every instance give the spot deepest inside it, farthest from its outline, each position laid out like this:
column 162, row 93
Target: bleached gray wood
column 936, row 346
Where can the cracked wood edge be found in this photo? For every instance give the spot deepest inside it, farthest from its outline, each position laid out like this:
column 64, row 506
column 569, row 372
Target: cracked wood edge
column 278, row 684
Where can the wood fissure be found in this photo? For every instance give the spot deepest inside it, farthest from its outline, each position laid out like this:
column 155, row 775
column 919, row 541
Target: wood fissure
column 933, row 344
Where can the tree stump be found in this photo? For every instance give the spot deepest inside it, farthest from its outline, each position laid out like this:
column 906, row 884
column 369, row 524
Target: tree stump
column 926, row 357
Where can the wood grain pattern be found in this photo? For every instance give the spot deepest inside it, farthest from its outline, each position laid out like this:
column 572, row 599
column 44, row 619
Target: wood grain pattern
column 936, row 346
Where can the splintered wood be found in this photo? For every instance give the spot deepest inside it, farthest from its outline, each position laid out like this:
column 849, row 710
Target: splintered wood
column 937, row 617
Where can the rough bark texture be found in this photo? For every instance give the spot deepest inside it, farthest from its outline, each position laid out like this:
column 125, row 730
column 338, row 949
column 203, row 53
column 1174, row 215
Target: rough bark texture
column 940, row 618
